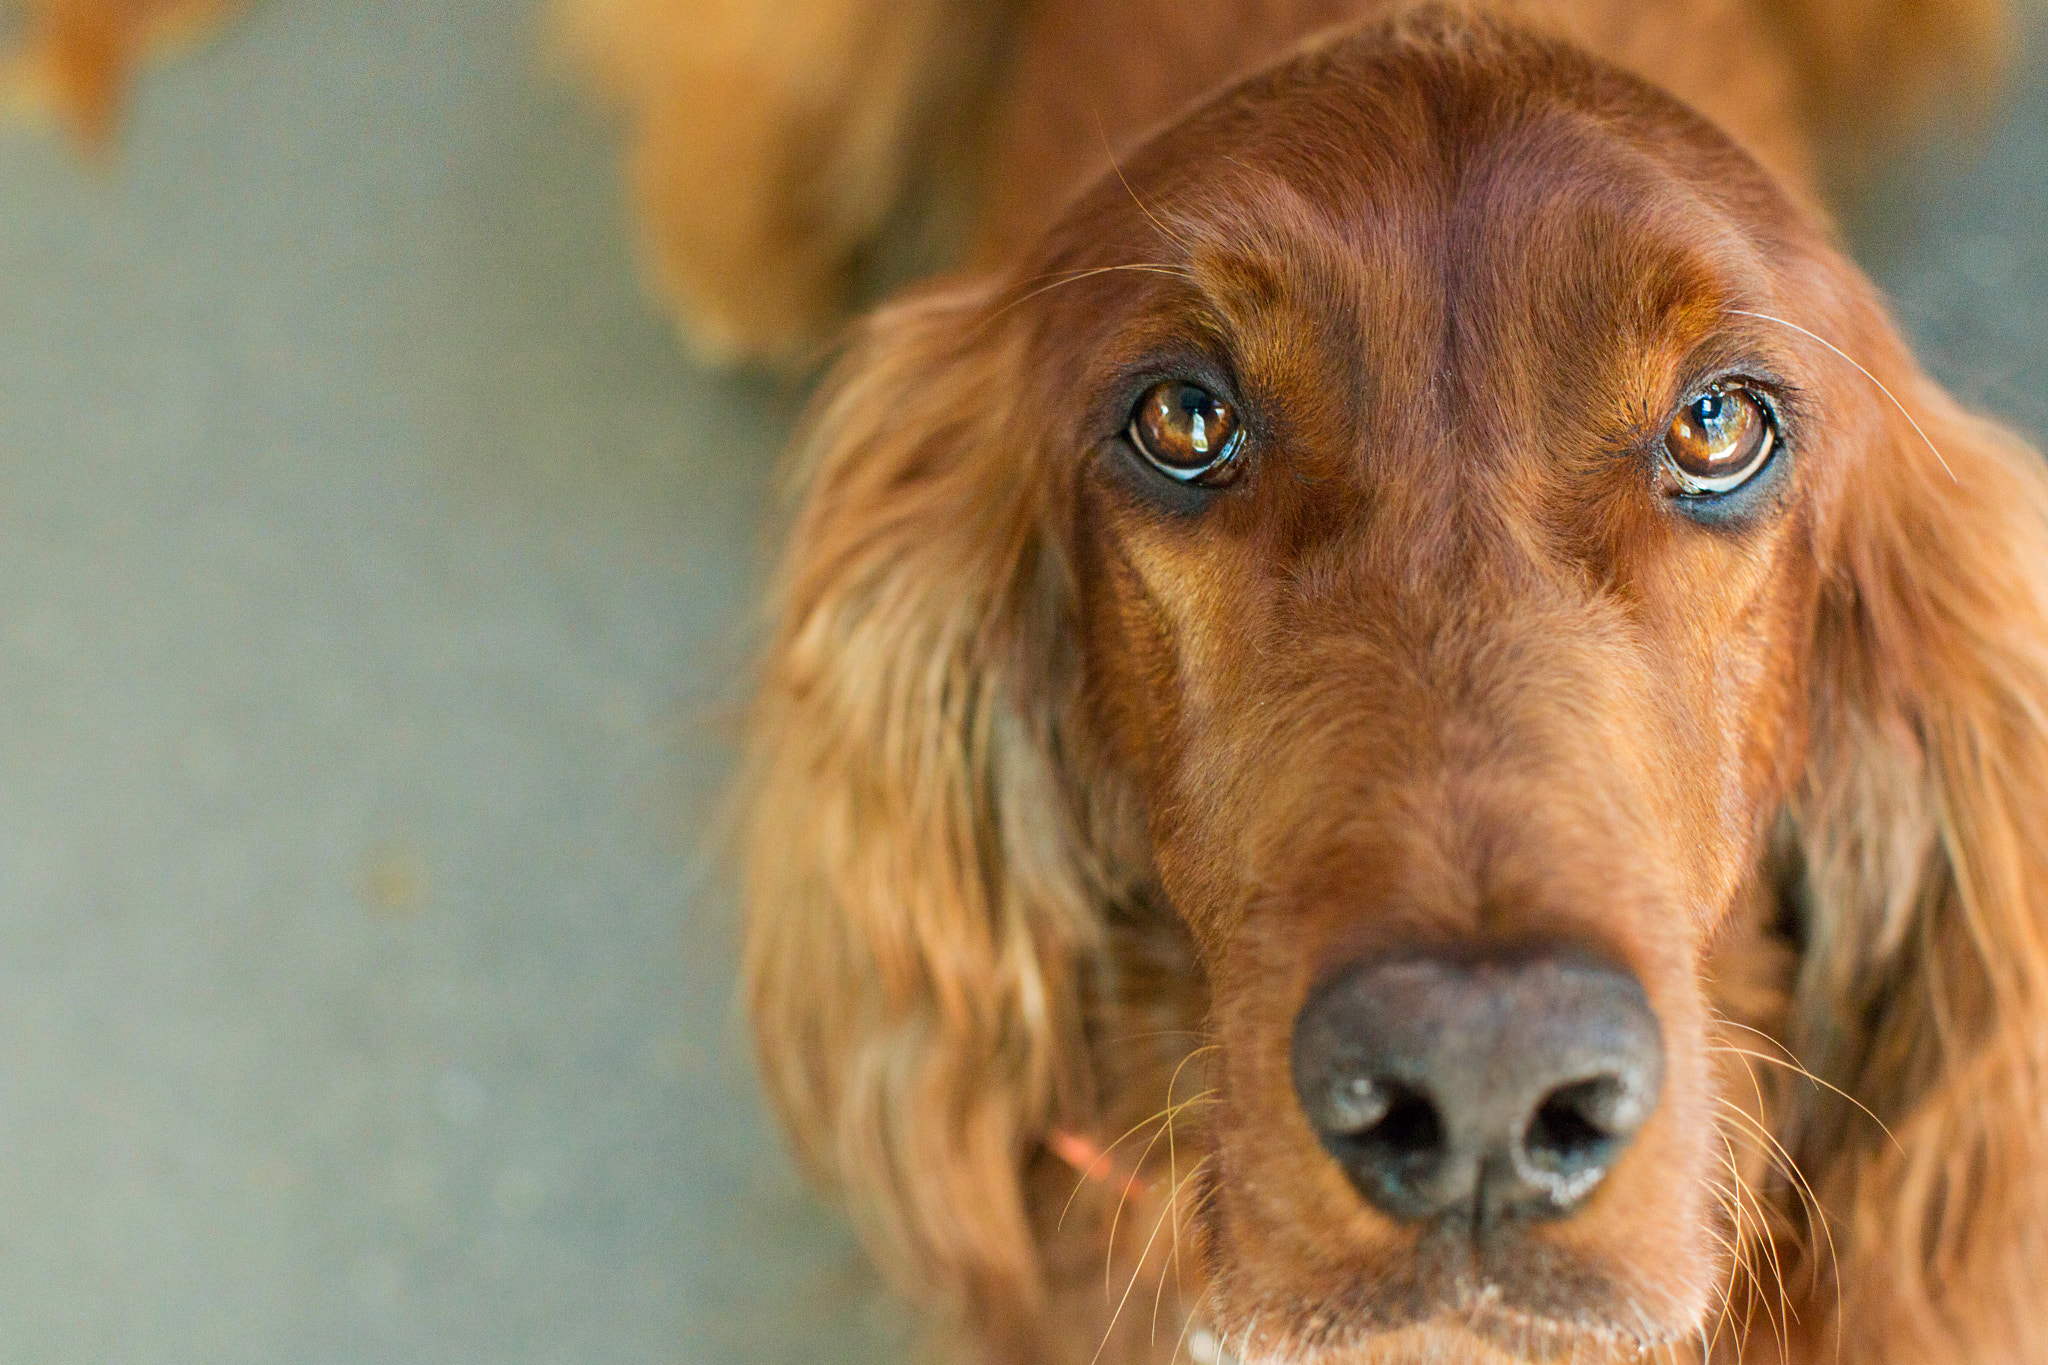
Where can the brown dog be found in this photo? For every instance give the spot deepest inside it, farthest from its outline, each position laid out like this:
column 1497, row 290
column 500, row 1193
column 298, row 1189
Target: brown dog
column 1412, row 678
column 1403, row 721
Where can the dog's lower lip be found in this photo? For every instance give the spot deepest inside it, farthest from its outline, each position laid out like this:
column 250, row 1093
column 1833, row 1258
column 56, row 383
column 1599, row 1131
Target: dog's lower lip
column 1532, row 1338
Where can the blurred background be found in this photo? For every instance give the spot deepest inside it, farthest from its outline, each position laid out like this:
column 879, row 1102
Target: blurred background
column 375, row 587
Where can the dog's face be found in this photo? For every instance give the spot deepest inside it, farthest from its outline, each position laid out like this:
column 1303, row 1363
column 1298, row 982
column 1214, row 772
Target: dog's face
column 1409, row 542
column 1445, row 520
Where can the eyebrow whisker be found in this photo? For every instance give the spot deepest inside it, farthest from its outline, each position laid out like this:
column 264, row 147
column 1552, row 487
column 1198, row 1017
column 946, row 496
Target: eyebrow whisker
column 1076, row 276
column 1766, row 317
column 1117, row 166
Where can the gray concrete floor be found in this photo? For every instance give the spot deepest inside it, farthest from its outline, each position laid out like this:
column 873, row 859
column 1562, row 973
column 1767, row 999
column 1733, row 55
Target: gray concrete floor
column 376, row 583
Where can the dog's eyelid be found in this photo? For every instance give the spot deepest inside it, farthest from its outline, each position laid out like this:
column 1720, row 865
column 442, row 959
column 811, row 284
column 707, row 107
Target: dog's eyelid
column 1194, row 363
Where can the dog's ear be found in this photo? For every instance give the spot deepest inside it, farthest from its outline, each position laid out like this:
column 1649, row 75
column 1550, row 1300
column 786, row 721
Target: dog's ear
column 920, row 907
column 1924, row 822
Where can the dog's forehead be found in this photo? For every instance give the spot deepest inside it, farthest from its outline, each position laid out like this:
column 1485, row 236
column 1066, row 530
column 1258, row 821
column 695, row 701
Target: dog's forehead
column 1380, row 112
column 1412, row 179
column 1545, row 208
column 1579, row 277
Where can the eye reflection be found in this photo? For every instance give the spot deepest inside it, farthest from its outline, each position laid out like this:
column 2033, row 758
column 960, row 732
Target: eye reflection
column 1186, row 432
column 1719, row 440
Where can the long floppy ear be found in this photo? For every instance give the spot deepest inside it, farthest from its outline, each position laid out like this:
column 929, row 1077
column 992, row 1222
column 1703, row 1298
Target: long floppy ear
column 1924, row 819
column 920, row 907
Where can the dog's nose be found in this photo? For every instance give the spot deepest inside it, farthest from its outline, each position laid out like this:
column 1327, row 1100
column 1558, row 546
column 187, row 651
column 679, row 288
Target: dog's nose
column 1489, row 1090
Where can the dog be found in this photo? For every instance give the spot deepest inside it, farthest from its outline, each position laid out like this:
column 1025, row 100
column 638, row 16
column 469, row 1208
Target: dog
column 1399, row 728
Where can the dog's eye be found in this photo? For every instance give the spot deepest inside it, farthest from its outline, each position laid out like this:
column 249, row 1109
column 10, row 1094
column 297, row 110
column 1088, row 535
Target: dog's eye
column 1720, row 438
column 1188, row 433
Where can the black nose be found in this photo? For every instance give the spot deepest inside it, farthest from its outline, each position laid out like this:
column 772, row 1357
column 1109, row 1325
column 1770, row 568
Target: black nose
column 1484, row 1089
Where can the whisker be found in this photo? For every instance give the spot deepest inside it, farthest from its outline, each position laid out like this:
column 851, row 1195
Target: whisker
column 1808, row 1196
column 1735, row 1268
column 1163, row 1033
column 1788, row 1167
column 1779, row 1163
column 1165, row 1129
column 1166, row 1121
column 1173, row 1185
column 1187, row 1324
column 1059, row 277
column 1076, row 276
column 1117, row 166
column 1173, row 1207
column 1794, row 1066
column 1085, row 1168
column 1763, row 1244
column 1085, row 1158
column 1766, row 317
column 1137, row 1270
column 1174, row 1079
column 1173, row 1256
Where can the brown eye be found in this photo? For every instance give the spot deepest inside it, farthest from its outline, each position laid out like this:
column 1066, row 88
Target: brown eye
column 1188, row 433
column 1720, row 439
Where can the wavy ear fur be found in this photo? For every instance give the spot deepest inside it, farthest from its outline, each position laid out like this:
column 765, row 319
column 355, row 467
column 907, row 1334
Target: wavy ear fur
column 919, row 902
column 1924, row 820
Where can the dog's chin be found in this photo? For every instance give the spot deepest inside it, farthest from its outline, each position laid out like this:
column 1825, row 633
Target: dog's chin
column 1441, row 1301
column 1464, row 1318
column 1485, row 1334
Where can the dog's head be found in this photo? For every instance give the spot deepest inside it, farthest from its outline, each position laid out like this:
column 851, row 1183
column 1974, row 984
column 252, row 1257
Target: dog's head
column 1441, row 526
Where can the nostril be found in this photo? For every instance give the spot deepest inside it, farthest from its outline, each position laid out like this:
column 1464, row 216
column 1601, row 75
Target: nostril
column 1574, row 1128
column 1410, row 1130
column 1400, row 1151
column 1577, row 1132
